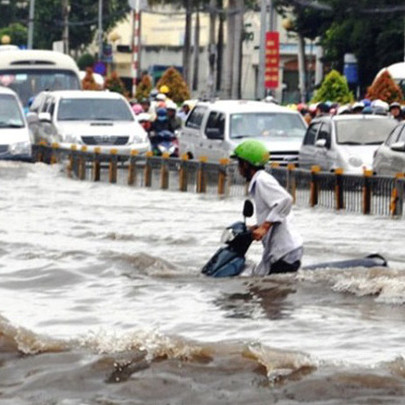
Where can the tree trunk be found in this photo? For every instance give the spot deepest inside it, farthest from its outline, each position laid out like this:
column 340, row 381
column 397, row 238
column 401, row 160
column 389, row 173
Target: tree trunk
column 196, row 50
column 237, row 53
column 212, row 51
column 220, row 49
column 302, row 68
column 187, row 42
column 230, row 50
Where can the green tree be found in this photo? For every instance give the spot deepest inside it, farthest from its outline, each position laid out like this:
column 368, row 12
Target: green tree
column 144, row 87
column 334, row 88
column 17, row 33
column 115, row 84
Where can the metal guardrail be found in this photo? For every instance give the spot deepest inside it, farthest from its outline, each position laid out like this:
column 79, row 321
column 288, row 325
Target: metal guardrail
column 367, row 194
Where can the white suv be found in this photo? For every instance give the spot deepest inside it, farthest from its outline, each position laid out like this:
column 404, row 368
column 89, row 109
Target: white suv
column 214, row 129
column 93, row 118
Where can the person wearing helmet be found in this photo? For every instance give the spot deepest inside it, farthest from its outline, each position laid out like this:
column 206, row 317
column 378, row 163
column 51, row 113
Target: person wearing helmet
column 282, row 244
column 161, row 123
column 395, row 111
column 174, row 120
column 164, row 89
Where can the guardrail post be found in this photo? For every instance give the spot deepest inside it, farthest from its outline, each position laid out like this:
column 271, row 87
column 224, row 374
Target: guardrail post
column 71, row 161
column 132, row 168
column 148, row 170
column 202, row 176
column 291, row 183
column 367, row 174
column 82, row 163
column 222, row 176
column 96, row 164
column 164, row 172
column 339, row 189
column 112, row 167
column 314, row 187
column 54, row 154
column 183, row 175
column 397, row 195
column 40, row 155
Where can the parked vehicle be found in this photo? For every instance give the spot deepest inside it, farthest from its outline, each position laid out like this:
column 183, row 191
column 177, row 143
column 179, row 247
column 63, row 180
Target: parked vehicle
column 15, row 136
column 28, row 72
column 389, row 158
column 93, row 118
column 344, row 141
column 214, row 129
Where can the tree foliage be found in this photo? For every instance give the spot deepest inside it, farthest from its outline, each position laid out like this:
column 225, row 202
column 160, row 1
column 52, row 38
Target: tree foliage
column 176, row 84
column 88, row 82
column 144, row 87
column 334, row 88
column 115, row 84
column 385, row 88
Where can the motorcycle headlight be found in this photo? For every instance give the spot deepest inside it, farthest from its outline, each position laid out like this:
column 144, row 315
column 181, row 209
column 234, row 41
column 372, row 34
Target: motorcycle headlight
column 161, row 148
column 20, row 148
column 227, row 236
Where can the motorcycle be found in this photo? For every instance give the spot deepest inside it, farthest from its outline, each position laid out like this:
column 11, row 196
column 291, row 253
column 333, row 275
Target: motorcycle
column 165, row 142
column 229, row 260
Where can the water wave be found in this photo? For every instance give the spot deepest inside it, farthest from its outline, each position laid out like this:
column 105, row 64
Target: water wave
column 385, row 284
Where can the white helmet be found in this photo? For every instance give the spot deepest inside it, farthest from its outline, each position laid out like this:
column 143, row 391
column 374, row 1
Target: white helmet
column 171, row 105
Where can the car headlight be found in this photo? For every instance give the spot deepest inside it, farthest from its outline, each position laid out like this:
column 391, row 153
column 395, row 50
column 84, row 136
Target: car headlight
column 355, row 161
column 69, row 138
column 20, row 148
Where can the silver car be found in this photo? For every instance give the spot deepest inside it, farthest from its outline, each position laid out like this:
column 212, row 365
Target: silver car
column 389, row 158
column 344, row 141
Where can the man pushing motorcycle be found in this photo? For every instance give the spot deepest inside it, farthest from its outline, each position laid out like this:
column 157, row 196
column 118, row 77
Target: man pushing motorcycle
column 283, row 245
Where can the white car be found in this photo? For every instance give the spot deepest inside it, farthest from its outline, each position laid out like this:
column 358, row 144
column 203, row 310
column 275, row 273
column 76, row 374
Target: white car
column 15, row 136
column 214, row 129
column 344, row 141
column 389, row 158
column 94, row 118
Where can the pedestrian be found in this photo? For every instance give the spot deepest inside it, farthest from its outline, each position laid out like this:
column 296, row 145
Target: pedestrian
column 395, row 111
column 185, row 109
column 282, row 244
column 174, row 121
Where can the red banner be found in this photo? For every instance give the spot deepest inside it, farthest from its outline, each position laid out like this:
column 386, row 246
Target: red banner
column 272, row 52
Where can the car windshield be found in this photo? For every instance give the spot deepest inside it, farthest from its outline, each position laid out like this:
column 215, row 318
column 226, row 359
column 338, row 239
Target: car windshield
column 28, row 83
column 10, row 112
column 93, row 109
column 363, row 131
column 252, row 125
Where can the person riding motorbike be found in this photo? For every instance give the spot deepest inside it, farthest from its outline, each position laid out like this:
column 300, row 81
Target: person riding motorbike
column 283, row 245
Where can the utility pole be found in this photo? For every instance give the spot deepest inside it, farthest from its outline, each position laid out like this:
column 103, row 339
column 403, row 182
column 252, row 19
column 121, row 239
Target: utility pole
column 100, row 29
column 65, row 33
column 30, row 43
column 260, row 91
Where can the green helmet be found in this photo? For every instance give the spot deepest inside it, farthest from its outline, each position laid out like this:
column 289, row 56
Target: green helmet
column 253, row 152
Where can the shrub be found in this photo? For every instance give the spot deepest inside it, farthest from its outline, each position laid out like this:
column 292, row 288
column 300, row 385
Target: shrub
column 176, row 84
column 85, row 61
column 114, row 83
column 384, row 88
column 88, row 82
column 334, row 88
column 144, row 87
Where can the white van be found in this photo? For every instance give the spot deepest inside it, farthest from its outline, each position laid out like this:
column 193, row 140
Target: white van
column 28, row 72
column 15, row 136
column 214, row 129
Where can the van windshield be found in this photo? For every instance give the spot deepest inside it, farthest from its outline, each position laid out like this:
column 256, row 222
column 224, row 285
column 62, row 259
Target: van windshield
column 93, row 109
column 363, row 131
column 29, row 82
column 263, row 124
column 10, row 112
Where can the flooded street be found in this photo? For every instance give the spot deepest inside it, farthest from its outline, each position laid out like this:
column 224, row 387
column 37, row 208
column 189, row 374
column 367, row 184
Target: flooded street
column 102, row 302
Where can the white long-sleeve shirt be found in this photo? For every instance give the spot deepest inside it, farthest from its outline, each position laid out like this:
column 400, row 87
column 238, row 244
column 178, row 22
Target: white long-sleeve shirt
column 273, row 204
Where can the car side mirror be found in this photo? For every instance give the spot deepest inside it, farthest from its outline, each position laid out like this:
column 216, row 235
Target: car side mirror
column 320, row 143
column 214, row 133
column 398, row 146
column 44, row 117
column 248, row 209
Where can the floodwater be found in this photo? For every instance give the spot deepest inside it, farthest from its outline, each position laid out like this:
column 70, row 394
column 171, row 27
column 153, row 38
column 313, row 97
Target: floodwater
column 102, row 302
